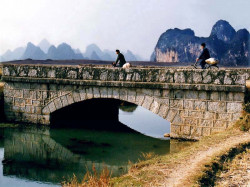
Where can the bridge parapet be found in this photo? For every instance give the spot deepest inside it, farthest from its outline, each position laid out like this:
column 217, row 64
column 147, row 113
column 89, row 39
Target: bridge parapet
column 196, row 102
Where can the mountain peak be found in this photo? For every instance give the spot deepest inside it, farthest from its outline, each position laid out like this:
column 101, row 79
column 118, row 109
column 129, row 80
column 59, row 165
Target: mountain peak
column 44, row 45
column 223, row 30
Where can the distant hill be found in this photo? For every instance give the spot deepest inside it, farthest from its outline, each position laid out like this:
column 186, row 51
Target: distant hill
column 93, row 52
column 64, row 51
column 224, row 43
column 13, row 55
column 33, row 52
column 44, row 45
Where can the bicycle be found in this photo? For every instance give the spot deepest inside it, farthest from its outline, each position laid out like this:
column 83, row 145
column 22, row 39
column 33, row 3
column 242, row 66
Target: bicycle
column 211, row 63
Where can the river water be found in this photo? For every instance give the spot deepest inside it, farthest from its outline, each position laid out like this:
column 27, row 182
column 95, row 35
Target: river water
column 40, row 156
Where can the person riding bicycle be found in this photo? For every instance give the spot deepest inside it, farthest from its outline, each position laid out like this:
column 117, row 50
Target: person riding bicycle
column 204, row 56
column 120, row 61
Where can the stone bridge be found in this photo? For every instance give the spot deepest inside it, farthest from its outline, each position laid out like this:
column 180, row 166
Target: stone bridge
column 196, row 102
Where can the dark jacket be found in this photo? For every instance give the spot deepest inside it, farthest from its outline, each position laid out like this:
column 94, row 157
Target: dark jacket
column 120, row 59
column 204, row 54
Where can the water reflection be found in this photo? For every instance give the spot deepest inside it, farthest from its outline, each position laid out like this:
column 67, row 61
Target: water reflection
column 49, row 155
column 42, row 156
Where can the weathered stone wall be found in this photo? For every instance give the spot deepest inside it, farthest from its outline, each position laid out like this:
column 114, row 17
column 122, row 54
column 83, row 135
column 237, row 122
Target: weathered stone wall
column 196, row 102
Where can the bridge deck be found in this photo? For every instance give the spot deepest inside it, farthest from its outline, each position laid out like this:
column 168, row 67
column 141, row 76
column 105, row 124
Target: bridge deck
column 148, row 64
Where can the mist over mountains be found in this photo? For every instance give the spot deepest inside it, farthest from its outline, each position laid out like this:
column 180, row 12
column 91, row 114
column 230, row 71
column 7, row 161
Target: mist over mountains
column 44, row 50
column 224, row 43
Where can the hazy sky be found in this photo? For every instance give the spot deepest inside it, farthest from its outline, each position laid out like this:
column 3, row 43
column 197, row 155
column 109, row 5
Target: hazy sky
column 111, row 24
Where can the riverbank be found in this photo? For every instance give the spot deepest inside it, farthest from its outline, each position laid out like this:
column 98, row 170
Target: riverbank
column 236, row 172
column 185, row 168
column 196, row 165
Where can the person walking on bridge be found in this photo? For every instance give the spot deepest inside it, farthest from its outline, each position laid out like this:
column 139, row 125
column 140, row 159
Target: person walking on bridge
column 204, row 56
column 120, row 61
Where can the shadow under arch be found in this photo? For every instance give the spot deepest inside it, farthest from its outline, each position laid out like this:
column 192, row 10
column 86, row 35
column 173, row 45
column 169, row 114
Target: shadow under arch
column 97, row 114
column 141, row 97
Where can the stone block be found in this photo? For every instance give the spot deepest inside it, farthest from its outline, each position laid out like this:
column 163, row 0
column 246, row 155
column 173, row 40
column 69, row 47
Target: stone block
column 175, row 130
column 206, row 131
column 52, row 107
column 179, row 94
column 104, row 76
column 184, row 113
column 89, row 93
column 131, row 95
column 137, row 77
column 179, row 77
column 155, row 106
column 104, row 92
column 116, row 93
column 72, row 74
column 32, row 73
column 215, row 96
column 29, row 118
column 200, row 105
column 188, row 104
column 148, row 92
column 209, row 115
column 43, row 119
column 202, row 95
column 51, row 74
column 166, row 93
column 207, row 78
column 191, row 121
column 240, row 80
column 216, row 130
column 129, row 77
column 147, row 102
column 197, row 77
column 8, row 93
column 206, row 123
column 230, row 96
column 216, row 106
column 195, row 131
column 234, row 107
column 178, row 119
column 46, row 110
column 123, row 94
column 189, row 94
column 171, row 115
column 76, row 97
column 64, row 101
column 163, row 111
column 238, row 97
column 185, row 130
column 35, row 102
column 110, row 92
column 37, row 110
column 8, row 102
column 224, row 116
column 174, row 103
column 223, row 96
column 19, row 102
column 58, row 103
column 157, row 93
column 195, row 114
column 220, row 124
column 70, row 99
column 236, row 116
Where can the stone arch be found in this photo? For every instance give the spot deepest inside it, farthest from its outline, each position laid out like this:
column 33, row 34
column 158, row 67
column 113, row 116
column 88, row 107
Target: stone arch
column 146, row 98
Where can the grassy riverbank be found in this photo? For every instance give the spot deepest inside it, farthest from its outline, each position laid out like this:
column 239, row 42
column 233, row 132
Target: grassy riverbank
column 190, row 167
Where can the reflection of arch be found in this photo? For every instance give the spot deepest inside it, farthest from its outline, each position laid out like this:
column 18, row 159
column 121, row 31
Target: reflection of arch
column 140, row 97
column 54, row 150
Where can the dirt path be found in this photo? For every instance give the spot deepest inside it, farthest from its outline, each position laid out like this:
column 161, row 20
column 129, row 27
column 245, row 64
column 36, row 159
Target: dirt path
column 181, row 174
